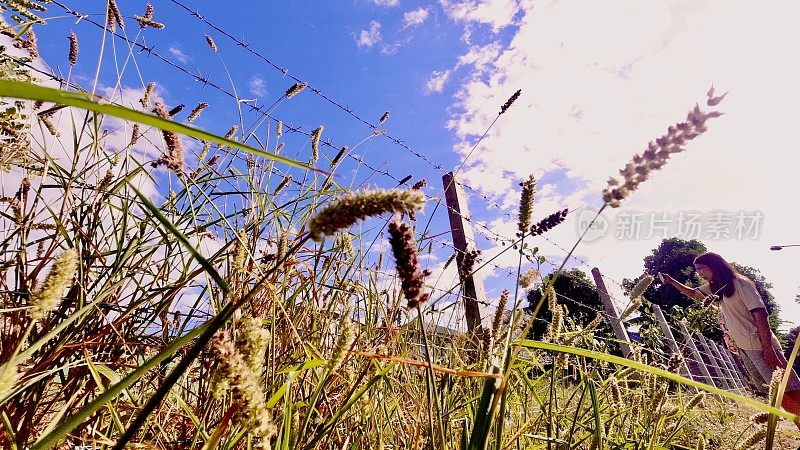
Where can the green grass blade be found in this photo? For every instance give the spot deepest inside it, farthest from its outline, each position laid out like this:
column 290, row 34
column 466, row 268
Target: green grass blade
column 29, row 91
column 58, row 434
column 655, row 371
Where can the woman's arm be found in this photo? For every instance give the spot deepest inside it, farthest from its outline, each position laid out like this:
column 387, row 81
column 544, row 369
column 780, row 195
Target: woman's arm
column 765, row 337
column 683, row 289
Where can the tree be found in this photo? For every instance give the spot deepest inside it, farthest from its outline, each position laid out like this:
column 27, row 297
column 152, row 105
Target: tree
column 674, row 257
column 576, row 292
column 791, row 337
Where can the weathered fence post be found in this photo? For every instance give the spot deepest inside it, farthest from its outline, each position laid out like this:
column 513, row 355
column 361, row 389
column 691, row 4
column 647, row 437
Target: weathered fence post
column 671, row 341
column 713, row 364
column 474, row 294
column 611, row 312
column 698, row 359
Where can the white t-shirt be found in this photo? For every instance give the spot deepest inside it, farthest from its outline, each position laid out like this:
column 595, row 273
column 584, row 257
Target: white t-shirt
column 736, row 313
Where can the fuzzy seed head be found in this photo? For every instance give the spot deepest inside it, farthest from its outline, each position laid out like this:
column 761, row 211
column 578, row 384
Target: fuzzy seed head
column 73, row 48
column 295, row 89
column 345, row 338
column 634, row 306
column 279, row 129
column 211, row 43
column 49, row 296
column 753, row 439
column 315, row 137
column 196, row 112
column 510, row 101
column 351, row 208
column 148, row 92
column 528, row 278
column 173, row 158
column 285, row 182
column 641, row 286
column 404, row 249
column 526, row 204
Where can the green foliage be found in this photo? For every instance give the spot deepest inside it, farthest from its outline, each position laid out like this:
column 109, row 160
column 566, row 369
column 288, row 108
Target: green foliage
column 580, row 297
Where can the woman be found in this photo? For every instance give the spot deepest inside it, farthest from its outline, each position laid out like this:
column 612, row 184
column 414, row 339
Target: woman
column 745, row 318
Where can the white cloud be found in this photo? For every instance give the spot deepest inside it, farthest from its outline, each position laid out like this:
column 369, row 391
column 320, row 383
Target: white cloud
column 179, row 55
column 495, row 13
column 437, row 81
column 386, row 3
column 414, row 18
column 371, row 36
column 599, row 80
column 257, row 86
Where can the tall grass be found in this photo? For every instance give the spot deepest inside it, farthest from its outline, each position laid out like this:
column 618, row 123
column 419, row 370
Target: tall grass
column 196, row 311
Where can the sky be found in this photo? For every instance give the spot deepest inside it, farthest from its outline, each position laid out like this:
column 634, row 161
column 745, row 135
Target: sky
column 599, row 80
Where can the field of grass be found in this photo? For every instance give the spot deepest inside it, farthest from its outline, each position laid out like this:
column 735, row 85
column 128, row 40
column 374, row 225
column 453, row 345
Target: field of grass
column 201, row 297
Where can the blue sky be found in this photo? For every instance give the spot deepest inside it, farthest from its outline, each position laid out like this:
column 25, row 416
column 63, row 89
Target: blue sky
column 599, row 81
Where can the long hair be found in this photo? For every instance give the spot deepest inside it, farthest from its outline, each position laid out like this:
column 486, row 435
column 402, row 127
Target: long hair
column 723, row 273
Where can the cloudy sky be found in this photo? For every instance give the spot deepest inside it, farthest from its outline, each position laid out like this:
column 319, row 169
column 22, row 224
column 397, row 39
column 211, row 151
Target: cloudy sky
column 599, row 80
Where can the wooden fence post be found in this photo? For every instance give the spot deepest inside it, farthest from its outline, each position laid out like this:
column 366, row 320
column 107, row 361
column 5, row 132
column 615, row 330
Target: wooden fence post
column 698, row 359
column 474, row 294
column 611, row 312
column 713, row 364
column 671, row 341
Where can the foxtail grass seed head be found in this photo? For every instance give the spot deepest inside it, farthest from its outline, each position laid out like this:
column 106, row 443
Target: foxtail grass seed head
column 510, row 101
column 196, row 112
column 279, row 148
column 351, row 208
column 526, row 205
column 252, row 341
column 528, row 278
column 51, row 128
column 384, row 117
column 468, row 260
column 549, row 222
column 598, row 319
column 114, row 16
column 614, row 390
column 641, row 286
column 562, row 361
column 9, row 378
column 174, row 158
column 240, row 254
column 556, row 323
column 279, row 129
column 176, row 110
column 344, row 340
column 134, row 135
column 498, row 315
column 753, row 439
column 295, row 89
column 404, row 249
column 774, row 384
column 338, row 157
column 694, row 401
column 235, row 374
column 285, row 182
column 658, row 399
column 657, row 154
column 315, row 137
column 30, row 44
column 148, row 92
column 760, row 418
column 675, row 362
column 634, row 306
column 73, row 48
column 211, row 43
column 552, row 299
column 283, row 245
column 420, row 184
column 231, row 132
column 701, row 443
column 57, row 280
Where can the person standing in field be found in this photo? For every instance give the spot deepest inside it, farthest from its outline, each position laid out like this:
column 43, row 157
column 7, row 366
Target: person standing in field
column 745, row 316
